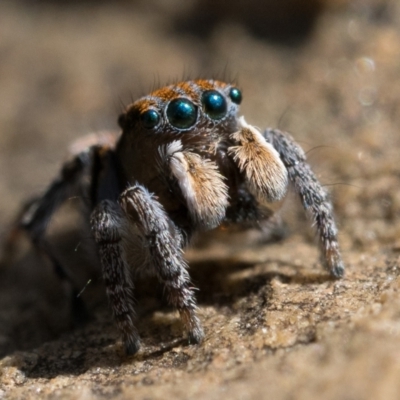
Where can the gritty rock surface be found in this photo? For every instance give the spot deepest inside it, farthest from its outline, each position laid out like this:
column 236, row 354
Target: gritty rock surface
column 277, row 326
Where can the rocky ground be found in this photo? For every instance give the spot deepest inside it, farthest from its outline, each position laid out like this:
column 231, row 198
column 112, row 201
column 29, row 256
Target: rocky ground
column 276, row 325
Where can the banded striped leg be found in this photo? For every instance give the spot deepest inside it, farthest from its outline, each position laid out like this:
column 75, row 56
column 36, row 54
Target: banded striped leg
column 106, row 222
column 313, row 196
column 164, row 247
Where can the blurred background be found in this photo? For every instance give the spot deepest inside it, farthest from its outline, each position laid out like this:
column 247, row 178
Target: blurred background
column 68, row 67
column 325, row 70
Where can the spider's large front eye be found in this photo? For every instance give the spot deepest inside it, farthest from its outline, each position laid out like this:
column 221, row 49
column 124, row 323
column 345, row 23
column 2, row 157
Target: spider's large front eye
column 214, row 104
column 150, row 119
column 235, row 95
column 182, row 113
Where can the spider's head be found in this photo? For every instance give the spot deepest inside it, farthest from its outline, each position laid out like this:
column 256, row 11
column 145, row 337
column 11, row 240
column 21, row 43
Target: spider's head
column 191, row 111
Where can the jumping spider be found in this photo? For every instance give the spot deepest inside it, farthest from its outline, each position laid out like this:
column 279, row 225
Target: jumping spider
column 184, row 162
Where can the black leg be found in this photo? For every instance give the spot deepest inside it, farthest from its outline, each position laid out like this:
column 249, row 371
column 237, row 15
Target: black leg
column 163, row 241
column 107, row 222
column 313, row 197
column 37, row 213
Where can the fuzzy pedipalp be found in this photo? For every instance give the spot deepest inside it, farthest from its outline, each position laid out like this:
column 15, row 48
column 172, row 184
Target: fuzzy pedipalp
column 264, row 171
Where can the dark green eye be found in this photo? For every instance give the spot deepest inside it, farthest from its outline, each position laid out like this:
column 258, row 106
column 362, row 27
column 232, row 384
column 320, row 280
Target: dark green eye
column 150, row 119
column 214, row 104
column 235, row 95
column 182, row 113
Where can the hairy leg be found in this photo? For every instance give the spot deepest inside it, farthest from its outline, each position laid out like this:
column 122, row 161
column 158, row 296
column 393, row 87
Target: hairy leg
column 107, row 224
column 164, row 246
column 313, row 196
column 40, row 211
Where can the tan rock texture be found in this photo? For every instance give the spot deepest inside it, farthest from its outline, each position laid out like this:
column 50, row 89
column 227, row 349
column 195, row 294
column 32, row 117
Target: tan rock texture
column 277, row 327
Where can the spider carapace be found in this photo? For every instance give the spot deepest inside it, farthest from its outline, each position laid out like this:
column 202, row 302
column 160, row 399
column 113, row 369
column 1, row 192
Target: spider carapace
column 185, row 161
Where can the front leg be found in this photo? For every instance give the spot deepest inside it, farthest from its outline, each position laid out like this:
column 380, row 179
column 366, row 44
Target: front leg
column 107, row 225
column 313, row 197
column 164, row 242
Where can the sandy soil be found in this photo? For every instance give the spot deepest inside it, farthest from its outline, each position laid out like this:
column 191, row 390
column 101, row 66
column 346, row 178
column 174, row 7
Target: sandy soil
column 276, row 325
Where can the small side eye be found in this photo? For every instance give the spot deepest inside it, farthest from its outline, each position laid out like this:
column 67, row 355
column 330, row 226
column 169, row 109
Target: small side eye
column 235, row 95
column 214, row 104
column 150, row 119
column 182, row 113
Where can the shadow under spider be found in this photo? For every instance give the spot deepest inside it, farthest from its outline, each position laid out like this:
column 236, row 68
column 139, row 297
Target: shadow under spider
column 216, row 286
column 91, row 347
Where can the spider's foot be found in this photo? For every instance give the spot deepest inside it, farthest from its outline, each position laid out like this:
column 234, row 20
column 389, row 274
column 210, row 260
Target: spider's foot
column 337, row 270
column 334, row 264
column 196, row 335
column 132, row 346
